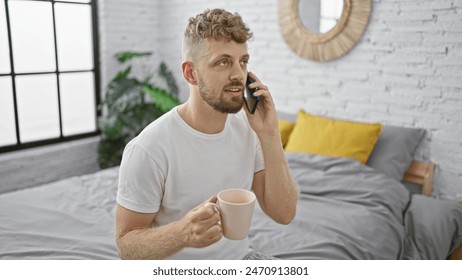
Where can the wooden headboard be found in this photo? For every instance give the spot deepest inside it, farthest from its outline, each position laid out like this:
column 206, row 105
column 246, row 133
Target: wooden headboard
column 421, row 173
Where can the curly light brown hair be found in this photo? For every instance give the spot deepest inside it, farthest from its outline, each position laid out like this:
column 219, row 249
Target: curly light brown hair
column 216, row 24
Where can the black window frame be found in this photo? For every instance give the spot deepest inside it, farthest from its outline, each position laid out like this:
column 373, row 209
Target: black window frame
column 95, row 71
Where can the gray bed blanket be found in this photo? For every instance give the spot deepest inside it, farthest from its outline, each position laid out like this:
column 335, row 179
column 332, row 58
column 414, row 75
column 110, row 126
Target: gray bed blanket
column 347, row 210
column 65, row 220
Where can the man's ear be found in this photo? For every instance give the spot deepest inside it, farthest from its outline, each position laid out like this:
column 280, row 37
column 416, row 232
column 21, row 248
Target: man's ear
column 188, row 72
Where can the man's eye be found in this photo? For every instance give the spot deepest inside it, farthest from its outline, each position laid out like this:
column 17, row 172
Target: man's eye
column 223, row 63
column 244, row 62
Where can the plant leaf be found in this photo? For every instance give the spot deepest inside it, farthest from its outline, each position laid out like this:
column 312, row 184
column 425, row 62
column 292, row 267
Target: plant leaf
column 169, row 78
column 111, row 128
column 126, row 56
column 122, row 92
column 123, row 73
column 161, row 98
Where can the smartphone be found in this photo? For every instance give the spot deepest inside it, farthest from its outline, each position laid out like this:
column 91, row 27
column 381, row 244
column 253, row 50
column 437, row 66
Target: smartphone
column 250, row 100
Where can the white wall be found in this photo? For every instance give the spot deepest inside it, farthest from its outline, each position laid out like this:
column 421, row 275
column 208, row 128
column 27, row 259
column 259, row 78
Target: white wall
column 127, row 25
column 404, row 71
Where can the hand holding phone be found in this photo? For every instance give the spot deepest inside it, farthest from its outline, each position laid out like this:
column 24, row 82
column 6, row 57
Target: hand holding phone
column 250, row 100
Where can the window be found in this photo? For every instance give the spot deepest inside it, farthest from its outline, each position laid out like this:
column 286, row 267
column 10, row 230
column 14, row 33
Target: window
column 49, row 81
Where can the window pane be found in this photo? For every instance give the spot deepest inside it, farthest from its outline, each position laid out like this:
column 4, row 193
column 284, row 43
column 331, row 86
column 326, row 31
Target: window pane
column 77, row 103
column 38, row 107
column 7, row 123
column 331, row 9
column 78, row 1
column 74, row 36
column 32, row 36
column 4, row 48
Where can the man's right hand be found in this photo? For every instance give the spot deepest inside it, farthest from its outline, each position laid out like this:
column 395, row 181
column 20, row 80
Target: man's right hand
column 137, row 239
column 200, row 226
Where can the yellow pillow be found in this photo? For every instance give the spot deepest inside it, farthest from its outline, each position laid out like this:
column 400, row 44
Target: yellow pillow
column 285, row 128
column 336, row 138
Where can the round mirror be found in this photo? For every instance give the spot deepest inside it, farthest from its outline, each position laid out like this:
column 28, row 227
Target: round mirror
column 320, row 16
column 323, row 34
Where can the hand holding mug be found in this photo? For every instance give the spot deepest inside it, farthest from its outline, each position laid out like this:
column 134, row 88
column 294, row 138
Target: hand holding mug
column 201, row 226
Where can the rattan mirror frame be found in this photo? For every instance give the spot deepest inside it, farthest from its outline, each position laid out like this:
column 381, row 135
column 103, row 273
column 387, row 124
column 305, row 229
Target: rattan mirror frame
column 327, row 46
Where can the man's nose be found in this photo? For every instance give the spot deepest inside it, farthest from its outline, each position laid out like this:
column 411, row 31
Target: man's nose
column 238, row 73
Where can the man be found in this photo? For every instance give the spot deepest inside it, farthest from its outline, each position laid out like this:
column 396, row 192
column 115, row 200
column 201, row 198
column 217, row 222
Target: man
column 183, row 159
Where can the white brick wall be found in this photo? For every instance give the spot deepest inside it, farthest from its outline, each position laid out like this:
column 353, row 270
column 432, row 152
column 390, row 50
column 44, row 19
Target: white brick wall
column 405, row 70
column 127, row 25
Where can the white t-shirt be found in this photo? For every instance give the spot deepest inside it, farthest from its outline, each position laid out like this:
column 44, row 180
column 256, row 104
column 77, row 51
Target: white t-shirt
column 171, row 168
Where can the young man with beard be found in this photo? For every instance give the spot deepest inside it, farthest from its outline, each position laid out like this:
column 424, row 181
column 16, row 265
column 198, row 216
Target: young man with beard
column 210, row 143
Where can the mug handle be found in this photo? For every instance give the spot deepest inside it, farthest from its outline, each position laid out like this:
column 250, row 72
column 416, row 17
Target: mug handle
column 215, row 206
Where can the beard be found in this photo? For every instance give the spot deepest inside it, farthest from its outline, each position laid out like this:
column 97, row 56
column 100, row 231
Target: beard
column 216, row 100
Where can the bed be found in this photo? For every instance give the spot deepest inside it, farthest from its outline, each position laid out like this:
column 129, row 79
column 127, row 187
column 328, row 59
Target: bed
column 346, row 210
column 68, row 219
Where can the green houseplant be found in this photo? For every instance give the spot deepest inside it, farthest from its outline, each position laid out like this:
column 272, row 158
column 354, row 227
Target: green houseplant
column 130, row 104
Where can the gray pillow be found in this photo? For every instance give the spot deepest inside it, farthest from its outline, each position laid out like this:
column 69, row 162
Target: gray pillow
column 394, row 150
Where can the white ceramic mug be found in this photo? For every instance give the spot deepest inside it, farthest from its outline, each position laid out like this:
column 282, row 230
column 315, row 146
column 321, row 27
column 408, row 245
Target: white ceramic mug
column 236, row 210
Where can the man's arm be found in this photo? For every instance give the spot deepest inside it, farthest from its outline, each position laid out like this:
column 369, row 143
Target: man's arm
column 136, row 239
column 274, row 187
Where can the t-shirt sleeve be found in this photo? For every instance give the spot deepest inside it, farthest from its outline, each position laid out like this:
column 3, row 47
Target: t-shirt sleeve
column 141, row 180
column 259, row 160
